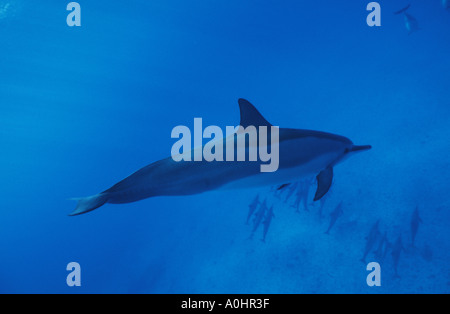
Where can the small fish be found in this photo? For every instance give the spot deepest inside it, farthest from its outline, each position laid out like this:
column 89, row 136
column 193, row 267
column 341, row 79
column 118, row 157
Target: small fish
column 372, row 238
column 415, row 222
column 266, row 223
column 252, row 207
column 334, row 216
column 396, row 252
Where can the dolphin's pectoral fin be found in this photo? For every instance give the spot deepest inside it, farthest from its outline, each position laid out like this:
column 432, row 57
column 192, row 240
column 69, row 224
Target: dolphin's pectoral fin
column 324, row 180
column 283, row 186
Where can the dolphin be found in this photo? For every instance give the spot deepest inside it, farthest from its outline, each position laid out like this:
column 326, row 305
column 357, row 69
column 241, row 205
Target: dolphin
column 291, row 191
column 259, row 217
column 403, row 10
column 266, row 223
column 301, row 153
column 387, row 247
column 382, row 247
column 372, row 239
column 396, row 252
column 306, row 185
column 334, row 217
column 411, row 23
column 446, row 4
column 252, row 207
column 427, row 253
column 301, row 194
column 415, row 222
column 322, row 202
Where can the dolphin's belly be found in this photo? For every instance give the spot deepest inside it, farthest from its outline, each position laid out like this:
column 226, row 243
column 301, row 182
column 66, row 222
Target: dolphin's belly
column 284, row 175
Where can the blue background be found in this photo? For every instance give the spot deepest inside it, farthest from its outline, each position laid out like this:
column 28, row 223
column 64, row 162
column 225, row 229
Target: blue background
column 81, row 108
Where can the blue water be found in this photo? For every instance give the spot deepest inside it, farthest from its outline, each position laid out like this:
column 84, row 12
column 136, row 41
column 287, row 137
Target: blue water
column 81, row 108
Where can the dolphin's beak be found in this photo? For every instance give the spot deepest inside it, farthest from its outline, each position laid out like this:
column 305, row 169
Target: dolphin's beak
column 360, row 148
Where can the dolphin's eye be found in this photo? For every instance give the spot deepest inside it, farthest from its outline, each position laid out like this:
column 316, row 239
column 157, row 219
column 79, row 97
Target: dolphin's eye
column 347, row 150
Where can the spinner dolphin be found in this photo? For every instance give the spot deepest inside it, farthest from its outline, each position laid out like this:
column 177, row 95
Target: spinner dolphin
column 302, row 153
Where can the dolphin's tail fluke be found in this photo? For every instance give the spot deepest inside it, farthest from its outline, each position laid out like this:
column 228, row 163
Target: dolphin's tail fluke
column 87, row 204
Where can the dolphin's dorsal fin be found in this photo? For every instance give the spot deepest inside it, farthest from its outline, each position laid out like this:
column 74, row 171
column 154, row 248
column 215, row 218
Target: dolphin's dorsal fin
column 250, row 115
